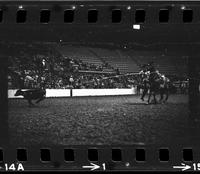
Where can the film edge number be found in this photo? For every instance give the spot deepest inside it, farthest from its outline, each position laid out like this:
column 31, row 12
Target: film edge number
column 14, row 167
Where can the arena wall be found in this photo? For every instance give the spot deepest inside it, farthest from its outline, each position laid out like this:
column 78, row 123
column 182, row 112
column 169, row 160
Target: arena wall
column 102, row 92
column 58, row 93
column 49, row 93
column 11, row 93
column 80, row 92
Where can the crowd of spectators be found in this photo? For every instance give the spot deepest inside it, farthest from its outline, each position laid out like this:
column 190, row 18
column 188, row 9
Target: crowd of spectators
column 78, row 65
column 42, row 71
column 50, row 70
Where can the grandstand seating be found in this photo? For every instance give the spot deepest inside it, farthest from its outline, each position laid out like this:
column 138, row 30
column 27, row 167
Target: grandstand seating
column 99, row 56
column 80, row 53
column 166, row 64
column 125, row 60
column 117, row 59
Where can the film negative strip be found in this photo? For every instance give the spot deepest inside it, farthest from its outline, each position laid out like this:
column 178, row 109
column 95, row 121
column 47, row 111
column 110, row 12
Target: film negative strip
column 99, row 85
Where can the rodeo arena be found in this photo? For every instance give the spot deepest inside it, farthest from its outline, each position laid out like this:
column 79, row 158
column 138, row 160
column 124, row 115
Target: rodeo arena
column 74, row 95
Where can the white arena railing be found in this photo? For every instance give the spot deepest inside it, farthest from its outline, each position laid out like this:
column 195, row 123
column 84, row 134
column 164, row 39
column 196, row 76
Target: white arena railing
column 102, row 92
column 80, row 92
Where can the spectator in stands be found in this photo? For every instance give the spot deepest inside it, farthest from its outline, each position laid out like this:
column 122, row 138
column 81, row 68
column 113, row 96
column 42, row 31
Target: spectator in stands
column 117, row 71
column 9, row 82
column 71, row 80
column 29, row 81
column 44, row 63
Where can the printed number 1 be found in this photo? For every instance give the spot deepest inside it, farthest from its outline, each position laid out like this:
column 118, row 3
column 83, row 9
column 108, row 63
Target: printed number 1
column 194, row 165
column 104, row 166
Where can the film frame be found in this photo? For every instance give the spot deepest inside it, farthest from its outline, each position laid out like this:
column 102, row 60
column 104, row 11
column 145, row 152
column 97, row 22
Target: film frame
column 48, row 23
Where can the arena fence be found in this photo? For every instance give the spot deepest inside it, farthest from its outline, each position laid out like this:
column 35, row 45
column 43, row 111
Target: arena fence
column 102, row 92
column 79, row 92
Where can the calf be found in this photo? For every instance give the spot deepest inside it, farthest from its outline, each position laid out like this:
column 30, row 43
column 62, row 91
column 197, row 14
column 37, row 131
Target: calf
column 32, row 94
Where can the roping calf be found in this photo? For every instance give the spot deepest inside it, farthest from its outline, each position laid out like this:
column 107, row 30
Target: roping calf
column 32, row 94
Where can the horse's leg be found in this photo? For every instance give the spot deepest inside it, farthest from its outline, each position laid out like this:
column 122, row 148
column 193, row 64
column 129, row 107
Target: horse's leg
column 143, row 94
column 150, row 92
column 138, row 90
column 154, row 97
column 167, row 95
column 161, row 95
column 30, row 102
column 40, row 99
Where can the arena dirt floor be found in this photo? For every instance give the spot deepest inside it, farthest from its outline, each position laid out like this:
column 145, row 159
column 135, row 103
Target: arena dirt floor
column 116, row 120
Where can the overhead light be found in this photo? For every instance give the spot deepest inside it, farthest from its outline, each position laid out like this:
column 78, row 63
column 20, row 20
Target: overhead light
column 183, row 7
column 20, row 7
column 129, row 7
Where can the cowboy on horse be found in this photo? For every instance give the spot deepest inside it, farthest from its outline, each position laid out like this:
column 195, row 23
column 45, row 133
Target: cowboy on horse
column 155, row 82
column 159, row 84
column 144, row 74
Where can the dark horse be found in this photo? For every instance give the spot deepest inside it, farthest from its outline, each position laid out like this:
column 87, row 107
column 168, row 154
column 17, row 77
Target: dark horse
column 32, row 94
column 158, row 84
